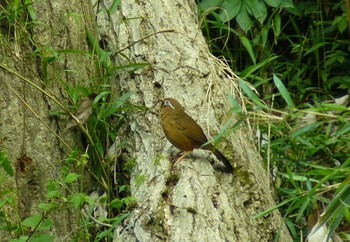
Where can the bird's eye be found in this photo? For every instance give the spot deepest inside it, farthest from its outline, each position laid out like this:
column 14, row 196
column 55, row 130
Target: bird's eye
column 168, row 103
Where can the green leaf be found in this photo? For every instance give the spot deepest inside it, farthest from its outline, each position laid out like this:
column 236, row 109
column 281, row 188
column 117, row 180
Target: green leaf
column 291, row 227
column 250, row 69
column 315, row 47
column 117, row 203
column 6, row 164
column 109, row 232
column 277, row 25
column 248, row 47
column 48, row 206
column 296, row 177
column 117, row 220
column 42, row 238
column 124, row 188
column 267, row 211
column 236, row 108
column 291, row 178
column 53, row 194
column 51, row 186
column 306, row 142
column 106, row 234
column 346, row 163
column 243, row 18
column 128, row 67
column 207, row 4
column 21, row 239
column 343, row 130
column 117, row 104
column 113, row 7
column 224, row 129
column 280, row 3
column 71, row 177
column 78, row 199
column 333, row 107
column 257, row 8
column 284, row 92
column 128, row 200
column 32, row 221
column 230, row 9
column 30, row 10
column 139, row 179
column 342, row 25
column 251, row 94
column 102, row 55
column 305, row 129
column 264, row 36
column 46, row 224
column 302, row 208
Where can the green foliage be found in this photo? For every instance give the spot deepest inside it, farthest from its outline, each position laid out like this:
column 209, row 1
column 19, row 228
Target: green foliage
column 293, row 60
column 307, row 150
column 109, row 233
column 306, row 44
column 6, row 164
column 245, row 11
column 101, row 132
column 8, row 197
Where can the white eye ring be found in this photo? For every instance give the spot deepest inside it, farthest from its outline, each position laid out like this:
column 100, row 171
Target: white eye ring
column 168, row 103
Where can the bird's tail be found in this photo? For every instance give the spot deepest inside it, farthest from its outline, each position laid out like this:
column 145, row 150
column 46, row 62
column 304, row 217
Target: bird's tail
column 220, row 156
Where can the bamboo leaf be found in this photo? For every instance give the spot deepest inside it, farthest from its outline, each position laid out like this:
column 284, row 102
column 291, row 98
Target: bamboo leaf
column 284, row 92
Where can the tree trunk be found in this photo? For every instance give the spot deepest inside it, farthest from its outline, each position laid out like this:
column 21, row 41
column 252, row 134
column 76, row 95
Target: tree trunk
column 35, row 151
column 193, row 201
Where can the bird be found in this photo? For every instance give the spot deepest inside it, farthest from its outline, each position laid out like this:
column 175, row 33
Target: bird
column 83, row 113
column 184, row 133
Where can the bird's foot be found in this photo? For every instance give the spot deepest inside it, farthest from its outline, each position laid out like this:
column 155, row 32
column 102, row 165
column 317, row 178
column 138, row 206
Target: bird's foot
column 178, row 157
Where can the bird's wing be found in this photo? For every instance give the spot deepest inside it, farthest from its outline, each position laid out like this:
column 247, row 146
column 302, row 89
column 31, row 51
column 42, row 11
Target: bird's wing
column 191, row 129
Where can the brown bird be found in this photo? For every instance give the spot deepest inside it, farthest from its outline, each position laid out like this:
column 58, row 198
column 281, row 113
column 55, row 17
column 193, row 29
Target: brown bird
column 83, row 112
column 183, row 132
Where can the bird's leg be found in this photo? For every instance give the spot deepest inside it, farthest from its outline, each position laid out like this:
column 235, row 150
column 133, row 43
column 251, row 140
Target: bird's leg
column 183, row 155
column 176, row 156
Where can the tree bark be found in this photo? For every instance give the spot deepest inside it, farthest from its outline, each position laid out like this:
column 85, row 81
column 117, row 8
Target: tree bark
column 193, row 201
column 36, row 152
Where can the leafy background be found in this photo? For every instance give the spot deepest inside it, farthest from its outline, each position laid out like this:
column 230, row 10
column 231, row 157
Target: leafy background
column 292, row 58
column 296, row 56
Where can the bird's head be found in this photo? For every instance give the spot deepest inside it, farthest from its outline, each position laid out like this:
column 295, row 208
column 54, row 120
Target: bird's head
column 171, row 105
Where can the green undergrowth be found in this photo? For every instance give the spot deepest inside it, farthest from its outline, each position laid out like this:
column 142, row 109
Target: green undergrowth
column 295, row 57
